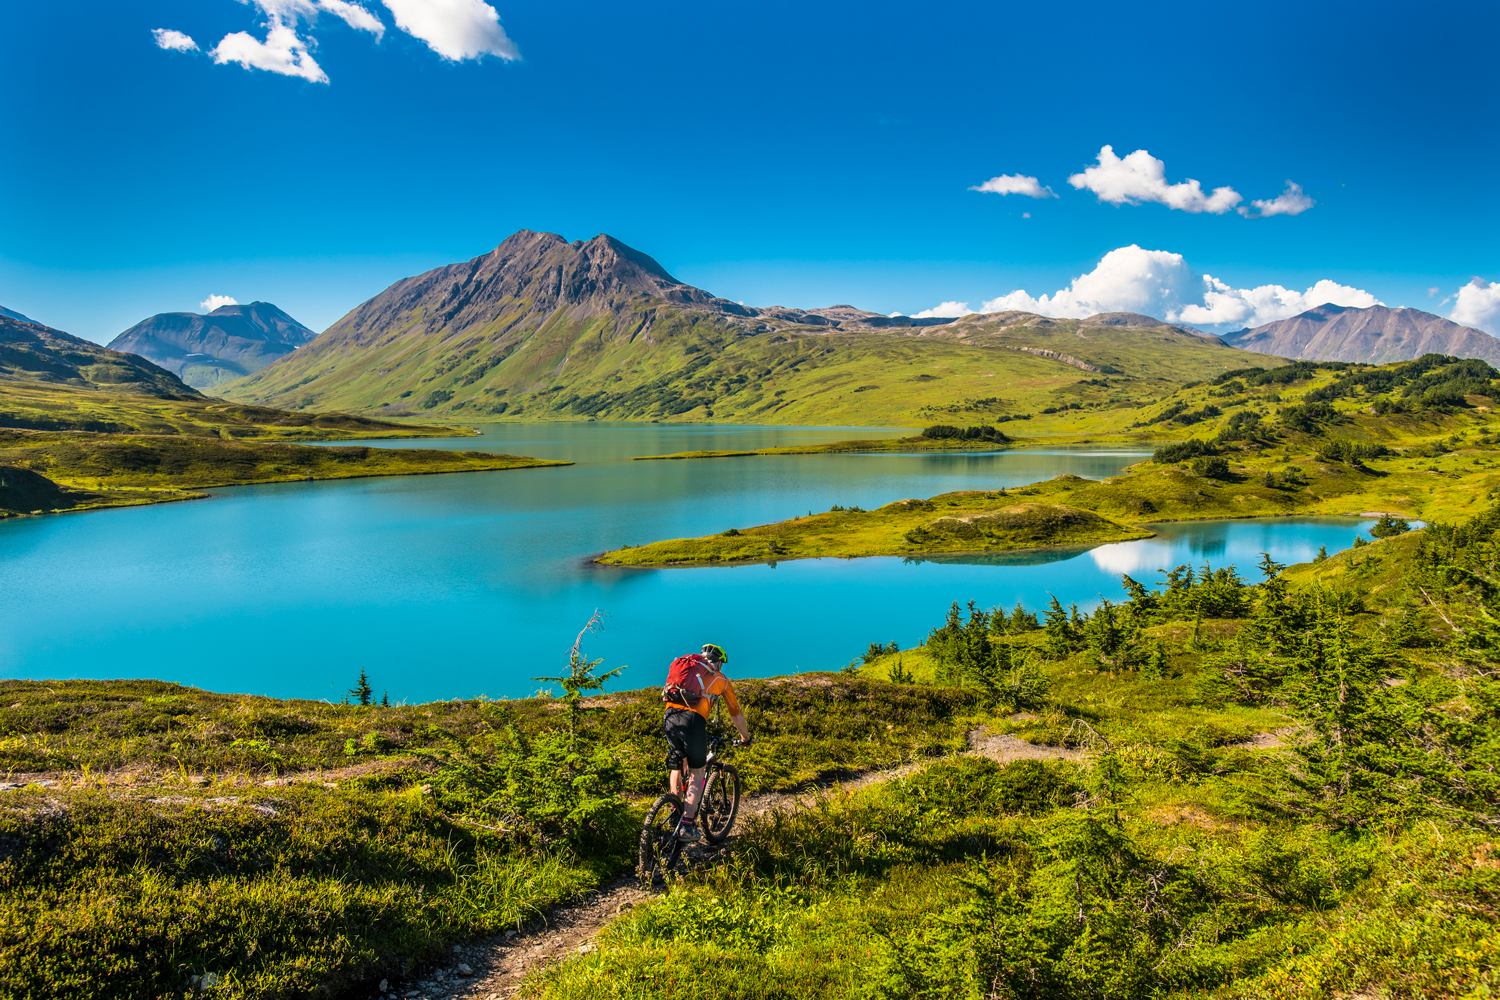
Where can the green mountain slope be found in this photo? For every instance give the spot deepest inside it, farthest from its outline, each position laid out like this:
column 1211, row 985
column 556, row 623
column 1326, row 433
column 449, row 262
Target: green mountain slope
column 541, row 328
column 36, row 353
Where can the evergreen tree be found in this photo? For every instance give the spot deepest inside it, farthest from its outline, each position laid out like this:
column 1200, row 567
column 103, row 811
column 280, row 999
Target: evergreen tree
column 1107, row 636
column 362, row 693
column 1058, row 629
column 581, row 677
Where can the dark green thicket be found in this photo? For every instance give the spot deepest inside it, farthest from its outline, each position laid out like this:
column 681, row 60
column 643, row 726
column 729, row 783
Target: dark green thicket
column 1181, row 451
column 984, row 433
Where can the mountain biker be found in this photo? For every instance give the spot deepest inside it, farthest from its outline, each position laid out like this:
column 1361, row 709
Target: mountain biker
column 693, row 682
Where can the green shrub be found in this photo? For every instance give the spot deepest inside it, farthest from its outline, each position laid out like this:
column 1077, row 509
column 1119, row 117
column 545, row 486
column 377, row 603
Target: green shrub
column 1212, row 467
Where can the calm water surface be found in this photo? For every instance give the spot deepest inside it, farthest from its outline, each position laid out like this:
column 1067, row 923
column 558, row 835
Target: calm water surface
column 468, row 584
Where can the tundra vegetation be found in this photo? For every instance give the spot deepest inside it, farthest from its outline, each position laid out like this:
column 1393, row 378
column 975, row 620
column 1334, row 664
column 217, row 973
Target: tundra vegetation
column 66, row 448
column 1276, row 788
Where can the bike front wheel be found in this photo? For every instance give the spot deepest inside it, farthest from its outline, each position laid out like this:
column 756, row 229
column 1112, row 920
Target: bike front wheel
column 721, row 803
column 659, row 843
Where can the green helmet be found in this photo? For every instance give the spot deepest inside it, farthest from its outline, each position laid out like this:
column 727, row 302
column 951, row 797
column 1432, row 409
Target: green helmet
column 715, row 652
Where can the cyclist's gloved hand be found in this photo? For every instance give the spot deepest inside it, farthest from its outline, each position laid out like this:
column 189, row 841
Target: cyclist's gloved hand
column 746, row 741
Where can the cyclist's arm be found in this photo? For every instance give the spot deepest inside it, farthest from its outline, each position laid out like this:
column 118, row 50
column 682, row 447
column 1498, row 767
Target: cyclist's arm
column 736, row 714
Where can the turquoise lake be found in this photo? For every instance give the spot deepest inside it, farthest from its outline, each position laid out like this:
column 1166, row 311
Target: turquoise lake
column 468, row 584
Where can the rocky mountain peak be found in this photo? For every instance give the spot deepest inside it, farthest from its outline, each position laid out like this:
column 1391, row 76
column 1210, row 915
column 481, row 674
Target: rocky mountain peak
column 1372, row 334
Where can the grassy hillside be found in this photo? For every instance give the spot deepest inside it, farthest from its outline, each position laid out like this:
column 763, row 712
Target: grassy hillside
column 71, row 471
column 540, row 329
column 294, row 848
column 1260, row 791
column 71, row 448
column 1416, row 440
column 696, row 366
column 1273, row 792
column 50, row 407
column 35, row 353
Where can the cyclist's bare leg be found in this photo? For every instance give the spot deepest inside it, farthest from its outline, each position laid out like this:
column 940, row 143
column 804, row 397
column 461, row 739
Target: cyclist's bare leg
column 694, row 792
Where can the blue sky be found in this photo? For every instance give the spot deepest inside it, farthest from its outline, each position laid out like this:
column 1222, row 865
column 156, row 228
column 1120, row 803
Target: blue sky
column 801, row 154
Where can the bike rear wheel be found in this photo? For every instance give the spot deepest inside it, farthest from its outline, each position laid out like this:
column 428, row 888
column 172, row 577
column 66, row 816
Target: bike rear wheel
column 659, row 844
column 721, row 803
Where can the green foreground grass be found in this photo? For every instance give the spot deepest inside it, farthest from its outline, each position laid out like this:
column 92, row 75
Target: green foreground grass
column 1281, row 792
column 158, row 853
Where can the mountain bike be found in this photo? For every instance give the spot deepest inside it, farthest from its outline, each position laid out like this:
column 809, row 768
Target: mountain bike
column 660, row 848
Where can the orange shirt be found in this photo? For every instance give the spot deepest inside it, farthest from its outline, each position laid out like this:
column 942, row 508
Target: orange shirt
column 719, row 687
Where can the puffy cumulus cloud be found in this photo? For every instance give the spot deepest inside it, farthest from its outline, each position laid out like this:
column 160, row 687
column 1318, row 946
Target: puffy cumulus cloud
column 1161, row 284
column 454, row 29
column 1126, row 280
column 1478, row 305
column 1227, row 306
column 173, row 41
column 215, row 301
column 1290, row 202
column 945, row 310
column 283, row 51
column 1015, row 184
column 1141, row 177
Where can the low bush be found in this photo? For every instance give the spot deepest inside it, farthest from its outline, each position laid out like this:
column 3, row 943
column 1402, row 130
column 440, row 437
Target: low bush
column 1181, row 451
column 982, row 433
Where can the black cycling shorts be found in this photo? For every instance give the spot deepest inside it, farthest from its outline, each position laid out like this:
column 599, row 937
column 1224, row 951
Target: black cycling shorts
column 687, row 736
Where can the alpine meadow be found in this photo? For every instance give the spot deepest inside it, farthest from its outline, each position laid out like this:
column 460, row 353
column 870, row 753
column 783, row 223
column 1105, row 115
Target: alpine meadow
column 899, row 517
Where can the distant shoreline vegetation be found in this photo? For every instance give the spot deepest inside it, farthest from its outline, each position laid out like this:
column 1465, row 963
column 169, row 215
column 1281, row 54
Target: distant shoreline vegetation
column 65, row 449
column 937, row 438
column 1307, row 438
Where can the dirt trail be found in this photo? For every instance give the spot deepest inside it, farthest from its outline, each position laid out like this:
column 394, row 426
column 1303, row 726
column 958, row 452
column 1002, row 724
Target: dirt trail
column 497, row 966
column 151, row 777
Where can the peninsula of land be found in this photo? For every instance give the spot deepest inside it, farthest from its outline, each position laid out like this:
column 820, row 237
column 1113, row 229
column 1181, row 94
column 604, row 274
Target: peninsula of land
column 1414, row 440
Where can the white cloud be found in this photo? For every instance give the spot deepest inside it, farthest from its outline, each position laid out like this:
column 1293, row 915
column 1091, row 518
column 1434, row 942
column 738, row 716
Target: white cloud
column 1126, row 280
column 355, row 16
column 1249, row 307
column 1161, row 284
column 283, row 51
column 947, row 310
column 1290, row 202
column 215, row 301
column 1478, row 306
column 1433, row 291
column 454, row 29
column 1015, row 184
column 173, row 41
column 1141, row 177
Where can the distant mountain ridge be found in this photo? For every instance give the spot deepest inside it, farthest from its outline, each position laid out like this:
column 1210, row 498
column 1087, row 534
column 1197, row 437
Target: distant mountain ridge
column 12, row 314
column 36, row 353
column 548, row 329
column 1373, row 334
column 229, row 343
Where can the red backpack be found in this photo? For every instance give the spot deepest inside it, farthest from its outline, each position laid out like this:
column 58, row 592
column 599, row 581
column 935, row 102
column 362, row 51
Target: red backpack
column 685, row 680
